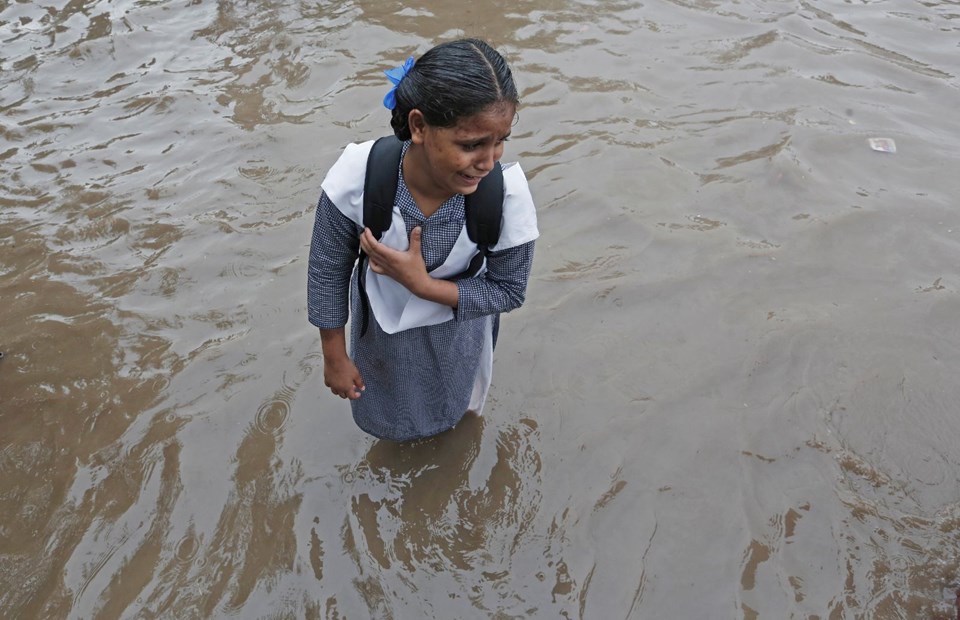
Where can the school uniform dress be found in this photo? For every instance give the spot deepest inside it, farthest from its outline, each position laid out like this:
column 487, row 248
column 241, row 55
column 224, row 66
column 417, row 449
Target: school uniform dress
column 424, row 364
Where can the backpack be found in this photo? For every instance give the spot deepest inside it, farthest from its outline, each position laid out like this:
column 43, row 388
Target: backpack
column 483, row 209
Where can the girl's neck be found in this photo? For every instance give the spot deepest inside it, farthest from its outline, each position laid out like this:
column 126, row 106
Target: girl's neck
column 426, row 195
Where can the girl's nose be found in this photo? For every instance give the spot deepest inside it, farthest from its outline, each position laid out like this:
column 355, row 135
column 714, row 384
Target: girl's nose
column 486, row 159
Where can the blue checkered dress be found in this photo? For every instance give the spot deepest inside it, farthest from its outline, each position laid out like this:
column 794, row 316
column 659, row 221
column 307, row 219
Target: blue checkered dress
column 418, row 381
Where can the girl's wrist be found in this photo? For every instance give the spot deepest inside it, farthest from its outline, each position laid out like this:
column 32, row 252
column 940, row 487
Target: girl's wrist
column 424, row 286
column 334, row 346
column 336, row 361
column 439, row 291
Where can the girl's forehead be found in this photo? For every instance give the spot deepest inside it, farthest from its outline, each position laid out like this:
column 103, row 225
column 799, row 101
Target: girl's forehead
column 495, row 119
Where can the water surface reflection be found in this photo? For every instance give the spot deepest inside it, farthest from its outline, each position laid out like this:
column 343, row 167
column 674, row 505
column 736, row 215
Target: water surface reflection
column 730, row 390
column 442, row 515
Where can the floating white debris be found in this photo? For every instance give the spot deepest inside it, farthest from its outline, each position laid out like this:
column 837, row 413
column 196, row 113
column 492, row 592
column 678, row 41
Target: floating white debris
column 884, row 145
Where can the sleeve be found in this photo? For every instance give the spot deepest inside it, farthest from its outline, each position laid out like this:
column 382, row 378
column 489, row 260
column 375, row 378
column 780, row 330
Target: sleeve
column 333, row 252
column 502, row 288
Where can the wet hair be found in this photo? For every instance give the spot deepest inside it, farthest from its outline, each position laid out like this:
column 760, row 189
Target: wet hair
column 452, row 81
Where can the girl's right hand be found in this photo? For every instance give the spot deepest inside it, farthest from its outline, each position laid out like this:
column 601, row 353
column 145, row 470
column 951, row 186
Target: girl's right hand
column 343, row 378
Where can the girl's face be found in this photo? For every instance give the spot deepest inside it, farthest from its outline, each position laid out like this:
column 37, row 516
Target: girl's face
column 458, row 157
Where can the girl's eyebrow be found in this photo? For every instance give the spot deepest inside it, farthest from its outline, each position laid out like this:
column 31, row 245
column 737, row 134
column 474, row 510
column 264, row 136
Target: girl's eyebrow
column 472, row 139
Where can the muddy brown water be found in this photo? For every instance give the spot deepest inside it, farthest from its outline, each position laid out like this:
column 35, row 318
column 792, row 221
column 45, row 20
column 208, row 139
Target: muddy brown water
column 732, row 392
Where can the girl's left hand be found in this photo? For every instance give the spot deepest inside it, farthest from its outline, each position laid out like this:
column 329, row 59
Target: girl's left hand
column 407, row 267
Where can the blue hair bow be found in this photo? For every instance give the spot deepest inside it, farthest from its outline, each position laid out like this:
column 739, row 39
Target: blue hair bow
column 395, row 75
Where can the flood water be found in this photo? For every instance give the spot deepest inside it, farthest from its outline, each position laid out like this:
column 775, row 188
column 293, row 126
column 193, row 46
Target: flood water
column 732, row 392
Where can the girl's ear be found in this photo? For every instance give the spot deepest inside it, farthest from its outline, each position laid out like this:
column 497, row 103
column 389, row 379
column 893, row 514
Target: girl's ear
column 418, row 126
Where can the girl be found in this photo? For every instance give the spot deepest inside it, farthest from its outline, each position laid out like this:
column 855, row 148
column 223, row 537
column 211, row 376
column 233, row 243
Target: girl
column 425, row 355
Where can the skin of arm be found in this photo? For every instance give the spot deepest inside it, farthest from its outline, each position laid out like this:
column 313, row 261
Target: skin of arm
column 408, row 269
column 500, row 289
column 333, row 250
column 340, row 374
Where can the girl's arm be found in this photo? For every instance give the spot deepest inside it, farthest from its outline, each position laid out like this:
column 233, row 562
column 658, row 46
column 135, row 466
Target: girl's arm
column 408, row 268
column 501, row 288
column 340, row 374
column 333, row 251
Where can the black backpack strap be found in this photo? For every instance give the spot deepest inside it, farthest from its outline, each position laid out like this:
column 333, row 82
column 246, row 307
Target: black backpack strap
column 484, row 209
column 380, row 184
column 484, row 212
column 379, row 194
